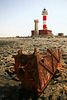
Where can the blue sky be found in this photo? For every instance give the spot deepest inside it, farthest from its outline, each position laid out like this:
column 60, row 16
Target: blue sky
column 17, row 16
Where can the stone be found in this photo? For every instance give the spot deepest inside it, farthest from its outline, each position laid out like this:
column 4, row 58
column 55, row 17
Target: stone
column 59, row 79
column 0, row 63
column 65, row 61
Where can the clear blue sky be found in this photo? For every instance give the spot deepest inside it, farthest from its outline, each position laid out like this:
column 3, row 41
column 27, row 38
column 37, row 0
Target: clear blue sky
column 17, row 16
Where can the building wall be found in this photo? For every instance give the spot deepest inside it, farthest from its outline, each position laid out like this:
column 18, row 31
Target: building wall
column 42, row 32
column 45, row 32
column 32, row 33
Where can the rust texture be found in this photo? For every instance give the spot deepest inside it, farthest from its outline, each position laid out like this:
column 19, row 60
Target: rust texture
column 36, row 70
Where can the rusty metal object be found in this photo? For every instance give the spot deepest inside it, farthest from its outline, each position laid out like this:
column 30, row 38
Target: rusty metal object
column 36, row 70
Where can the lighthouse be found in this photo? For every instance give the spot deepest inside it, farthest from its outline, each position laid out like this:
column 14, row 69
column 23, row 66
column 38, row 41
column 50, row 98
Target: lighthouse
column 44, row 31
column 44, row 13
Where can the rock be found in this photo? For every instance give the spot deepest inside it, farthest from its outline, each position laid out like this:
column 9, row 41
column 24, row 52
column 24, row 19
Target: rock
column 57, row 74
column 64, row 76
column 0, row 63
column 59, row 79
column 65, row 91
column 40, row 99
column 65, row 61
column 58, row 98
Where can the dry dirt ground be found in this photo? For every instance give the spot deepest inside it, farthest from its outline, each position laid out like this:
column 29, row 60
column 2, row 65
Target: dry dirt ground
column 10, row 89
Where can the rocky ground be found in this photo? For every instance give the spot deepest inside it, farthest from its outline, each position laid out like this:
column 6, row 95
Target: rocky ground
column 10, row 89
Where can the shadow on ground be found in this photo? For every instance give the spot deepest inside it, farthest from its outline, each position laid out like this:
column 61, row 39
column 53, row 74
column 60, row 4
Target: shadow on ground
column 16, row 93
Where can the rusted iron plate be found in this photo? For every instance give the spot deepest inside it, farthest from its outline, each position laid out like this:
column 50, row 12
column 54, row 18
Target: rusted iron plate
column 36, row 70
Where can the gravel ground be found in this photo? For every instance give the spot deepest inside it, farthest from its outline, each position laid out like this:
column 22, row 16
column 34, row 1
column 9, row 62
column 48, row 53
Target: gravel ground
column 10, row 89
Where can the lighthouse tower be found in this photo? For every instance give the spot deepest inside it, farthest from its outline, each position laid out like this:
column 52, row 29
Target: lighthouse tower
column 44, row 31
column 44, row 13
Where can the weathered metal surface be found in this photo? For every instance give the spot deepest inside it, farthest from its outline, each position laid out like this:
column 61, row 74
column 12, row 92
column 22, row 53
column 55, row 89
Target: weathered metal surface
column 36, row 70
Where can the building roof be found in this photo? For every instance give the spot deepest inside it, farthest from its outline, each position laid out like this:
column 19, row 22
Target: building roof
column 44, row 9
